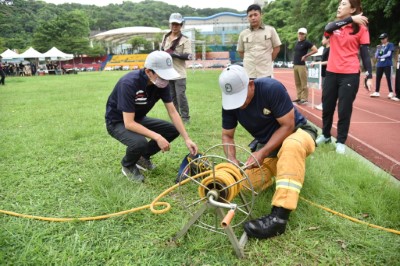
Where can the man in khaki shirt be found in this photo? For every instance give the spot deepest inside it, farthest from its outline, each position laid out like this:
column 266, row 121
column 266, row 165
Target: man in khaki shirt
column 258, row 46
column 180, row 49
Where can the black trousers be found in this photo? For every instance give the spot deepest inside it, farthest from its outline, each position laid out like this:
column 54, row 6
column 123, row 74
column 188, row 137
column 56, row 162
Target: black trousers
column 397, row 83
column 2, row 77
column 138, row 145
column 340, row 88
column 388, row 74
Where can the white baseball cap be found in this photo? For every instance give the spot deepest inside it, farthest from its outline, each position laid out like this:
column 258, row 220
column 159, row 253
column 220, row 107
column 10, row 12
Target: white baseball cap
column 234, row 84
column 161, row 63
column 302, row 30
column 176, row 18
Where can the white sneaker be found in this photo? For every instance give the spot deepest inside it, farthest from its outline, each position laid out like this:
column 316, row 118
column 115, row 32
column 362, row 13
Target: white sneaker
column 340, row 148
column 395, row 99
column 319, row 107
column 375, row 94
column 322, row 140
column 390, row 95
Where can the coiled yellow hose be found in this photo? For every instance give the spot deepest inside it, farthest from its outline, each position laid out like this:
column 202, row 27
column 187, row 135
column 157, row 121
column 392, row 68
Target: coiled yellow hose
column 226, row 175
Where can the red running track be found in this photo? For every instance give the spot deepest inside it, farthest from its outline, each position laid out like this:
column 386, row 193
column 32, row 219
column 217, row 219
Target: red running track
column 375, row 123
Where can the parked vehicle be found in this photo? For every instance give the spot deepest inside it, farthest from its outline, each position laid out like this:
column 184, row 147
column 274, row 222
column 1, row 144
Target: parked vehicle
column 216, row 66
column 195, row 65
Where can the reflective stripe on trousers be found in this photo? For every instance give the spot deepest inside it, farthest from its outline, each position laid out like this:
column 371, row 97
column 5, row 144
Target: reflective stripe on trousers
column 288, row 169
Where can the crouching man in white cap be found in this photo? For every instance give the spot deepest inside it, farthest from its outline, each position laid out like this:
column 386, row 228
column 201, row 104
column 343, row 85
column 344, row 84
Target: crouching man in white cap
column 133, row 97
column 263, row 107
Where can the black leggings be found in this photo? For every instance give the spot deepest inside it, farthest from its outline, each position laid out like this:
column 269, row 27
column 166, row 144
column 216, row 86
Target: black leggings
column 388, row 74
column 340, row 88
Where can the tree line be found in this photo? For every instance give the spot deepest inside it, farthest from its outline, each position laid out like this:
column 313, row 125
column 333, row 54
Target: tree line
column 68, row 26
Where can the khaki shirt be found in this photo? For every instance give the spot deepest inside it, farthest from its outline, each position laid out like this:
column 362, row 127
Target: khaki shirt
column 257, row 46
column 184, row 47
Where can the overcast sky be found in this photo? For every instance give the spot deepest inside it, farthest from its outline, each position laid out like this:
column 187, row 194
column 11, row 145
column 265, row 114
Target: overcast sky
column 235, row 4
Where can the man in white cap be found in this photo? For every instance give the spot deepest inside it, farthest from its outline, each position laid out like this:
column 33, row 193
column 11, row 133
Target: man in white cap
column 301, row 52
column 179, row 47
column 133, row 97
column 263, row 107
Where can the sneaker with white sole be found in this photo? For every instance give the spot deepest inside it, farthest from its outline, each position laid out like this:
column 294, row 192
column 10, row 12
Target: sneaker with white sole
column 302, row 102
column 395, row 99
column 319, row 107
column 340, row 148
column 132, row 173
column 145, row 164
column 375, row 94
column 390, row 95
column 322, row 140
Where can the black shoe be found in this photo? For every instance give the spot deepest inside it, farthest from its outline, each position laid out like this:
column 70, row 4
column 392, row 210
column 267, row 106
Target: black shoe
column 133, row 173
column 145, row 164
column 297, row 100
column 265, row 227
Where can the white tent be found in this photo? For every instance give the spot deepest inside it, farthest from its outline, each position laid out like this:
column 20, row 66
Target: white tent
column 56, row 54
column 9, row 54
column 31, row 53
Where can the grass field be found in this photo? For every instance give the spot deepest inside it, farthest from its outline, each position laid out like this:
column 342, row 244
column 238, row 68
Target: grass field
column 57, row 160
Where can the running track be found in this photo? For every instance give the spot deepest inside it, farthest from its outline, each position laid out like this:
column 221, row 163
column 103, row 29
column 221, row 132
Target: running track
column 375, row 123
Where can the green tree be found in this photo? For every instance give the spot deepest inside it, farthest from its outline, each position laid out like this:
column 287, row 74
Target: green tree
column 139, row 42
column 69, row 32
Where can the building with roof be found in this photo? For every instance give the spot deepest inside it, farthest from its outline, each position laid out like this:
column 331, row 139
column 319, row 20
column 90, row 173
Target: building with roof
column 222, row 24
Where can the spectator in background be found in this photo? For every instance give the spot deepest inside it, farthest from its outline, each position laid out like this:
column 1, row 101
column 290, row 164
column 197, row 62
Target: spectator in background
column 349, row 36
column 384, row 55
column 301, row 52
column 323, row 63
column 179, row 47
column 258, row 45
column 2, row 74
column 397, row 81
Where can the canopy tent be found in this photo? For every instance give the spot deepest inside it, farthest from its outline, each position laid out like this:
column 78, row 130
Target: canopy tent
column 9, row 54
column 56, row 54
column 31, row 53
column 122, row 35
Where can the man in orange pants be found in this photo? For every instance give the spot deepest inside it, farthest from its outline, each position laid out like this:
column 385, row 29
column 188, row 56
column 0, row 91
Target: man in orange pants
column 264, row 108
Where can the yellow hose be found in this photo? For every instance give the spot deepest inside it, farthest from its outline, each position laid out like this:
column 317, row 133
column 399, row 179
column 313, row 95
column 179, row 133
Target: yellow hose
column 225, row 173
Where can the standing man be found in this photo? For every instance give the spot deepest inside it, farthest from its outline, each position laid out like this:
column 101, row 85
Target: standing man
column 2, row 74
column 258, row 45
column 133, row 97
column 301, row 53
column 263, row 107
column 384, row 55
column 179, row 47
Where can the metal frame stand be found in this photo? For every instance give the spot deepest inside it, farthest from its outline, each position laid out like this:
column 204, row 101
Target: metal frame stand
column 238, row 245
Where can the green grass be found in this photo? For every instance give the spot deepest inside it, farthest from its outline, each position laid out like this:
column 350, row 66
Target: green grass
column 57, row 160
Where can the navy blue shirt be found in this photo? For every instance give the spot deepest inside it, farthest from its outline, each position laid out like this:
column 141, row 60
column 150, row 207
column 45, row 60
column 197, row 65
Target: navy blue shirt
column 270, row 101
column 384, row 49
column 132, row 95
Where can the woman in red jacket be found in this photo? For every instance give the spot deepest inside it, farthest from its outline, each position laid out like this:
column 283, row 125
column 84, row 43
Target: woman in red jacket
column 348, row 36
